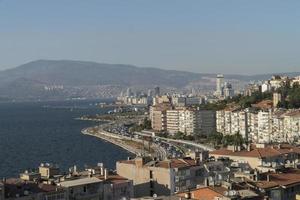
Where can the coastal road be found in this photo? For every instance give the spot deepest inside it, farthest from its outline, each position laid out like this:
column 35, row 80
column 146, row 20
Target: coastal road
column 117, row 139
column 190, row 143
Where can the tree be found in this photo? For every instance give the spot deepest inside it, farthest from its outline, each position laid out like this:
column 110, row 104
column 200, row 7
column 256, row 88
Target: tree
column 178, row 135
column 236, row 139
column 146, row 124
column 215, row 138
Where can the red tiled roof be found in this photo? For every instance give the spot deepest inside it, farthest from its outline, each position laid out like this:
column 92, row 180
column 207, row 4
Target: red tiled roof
column 279, row 179
column 206, row 193
column 257, row 152
column 176, row 163
column 265, row 104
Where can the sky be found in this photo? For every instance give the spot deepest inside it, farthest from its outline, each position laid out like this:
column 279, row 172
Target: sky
column 208, row 36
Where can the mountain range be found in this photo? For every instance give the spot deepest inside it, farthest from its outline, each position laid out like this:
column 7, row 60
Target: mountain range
column 62, row 79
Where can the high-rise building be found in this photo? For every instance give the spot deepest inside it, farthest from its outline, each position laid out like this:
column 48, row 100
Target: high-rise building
column 191, row 121
column 228, row 91
column 156, row 91
column 150, row 93
column 158, row 116
column 128, row 92
column 219, row 85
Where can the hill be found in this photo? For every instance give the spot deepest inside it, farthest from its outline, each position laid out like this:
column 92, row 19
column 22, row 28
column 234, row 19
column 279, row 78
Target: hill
column 60, row 79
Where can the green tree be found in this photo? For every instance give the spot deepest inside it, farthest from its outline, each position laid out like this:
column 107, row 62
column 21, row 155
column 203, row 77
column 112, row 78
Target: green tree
column 215, row 138
column 178, row 135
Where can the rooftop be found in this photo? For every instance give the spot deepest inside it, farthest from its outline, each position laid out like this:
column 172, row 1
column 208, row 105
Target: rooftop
column 81, row 181
column 205, row 193
column 269, row 151
column 294, row 113
column 17, row 187
column 172, row 163
column 265, row 104
column 286, row 179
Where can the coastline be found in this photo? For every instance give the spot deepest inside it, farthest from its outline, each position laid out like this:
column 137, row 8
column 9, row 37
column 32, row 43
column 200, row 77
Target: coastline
column 113, row 139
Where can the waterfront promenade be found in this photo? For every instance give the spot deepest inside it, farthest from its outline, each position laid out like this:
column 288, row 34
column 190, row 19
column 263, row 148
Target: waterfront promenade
column 133, row 145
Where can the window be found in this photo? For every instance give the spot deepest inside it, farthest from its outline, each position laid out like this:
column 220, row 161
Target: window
column 199, row 172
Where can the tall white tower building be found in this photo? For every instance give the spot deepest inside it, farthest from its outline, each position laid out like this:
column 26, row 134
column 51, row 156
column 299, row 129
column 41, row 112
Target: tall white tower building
column 219, row 85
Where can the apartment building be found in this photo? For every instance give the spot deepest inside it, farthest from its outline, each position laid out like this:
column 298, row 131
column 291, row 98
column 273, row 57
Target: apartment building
column 261, row 125
column 264, row 126
column 117, row 187
column 173, row 120
column 206, row 121
column 178, row 101
column 93, row 183
column 188, row 122
column 278, row 132
column 160, row 177
column 277, row 186
column 16, row 188
column 158, row 116
column 164, row 99
column 220, row 121
column 292, row 126
column 191, row 121
column 193, row 100
column 232, row 120
column 261, row 156
column 252, row 123
column 83, row 188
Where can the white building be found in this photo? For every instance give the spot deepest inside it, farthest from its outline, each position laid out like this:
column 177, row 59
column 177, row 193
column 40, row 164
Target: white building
column 219, row 85
column 292, row 126
column 264, row 126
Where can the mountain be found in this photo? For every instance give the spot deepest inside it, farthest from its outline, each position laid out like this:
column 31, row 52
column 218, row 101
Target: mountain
column 77, row 73
column 61, row 79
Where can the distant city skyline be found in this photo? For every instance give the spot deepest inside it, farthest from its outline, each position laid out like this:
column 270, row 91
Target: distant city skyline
column 228, row 37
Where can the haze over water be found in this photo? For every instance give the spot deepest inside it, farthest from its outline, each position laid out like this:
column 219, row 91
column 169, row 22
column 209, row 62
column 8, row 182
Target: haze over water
column 31, row 133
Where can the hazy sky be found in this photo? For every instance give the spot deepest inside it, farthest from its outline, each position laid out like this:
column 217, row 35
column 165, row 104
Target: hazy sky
column 227, row 36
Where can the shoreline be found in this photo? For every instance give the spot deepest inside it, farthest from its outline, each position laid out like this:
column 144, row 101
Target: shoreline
column 113, row 139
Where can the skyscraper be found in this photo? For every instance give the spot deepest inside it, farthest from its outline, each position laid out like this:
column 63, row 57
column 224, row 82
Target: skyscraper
column 156, row 91
column 128, row 92
column 219, row 85
column 228, row 91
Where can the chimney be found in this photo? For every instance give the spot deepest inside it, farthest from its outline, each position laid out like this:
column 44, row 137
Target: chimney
column 102, row 171
column 105, row 174
column 268, row 178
